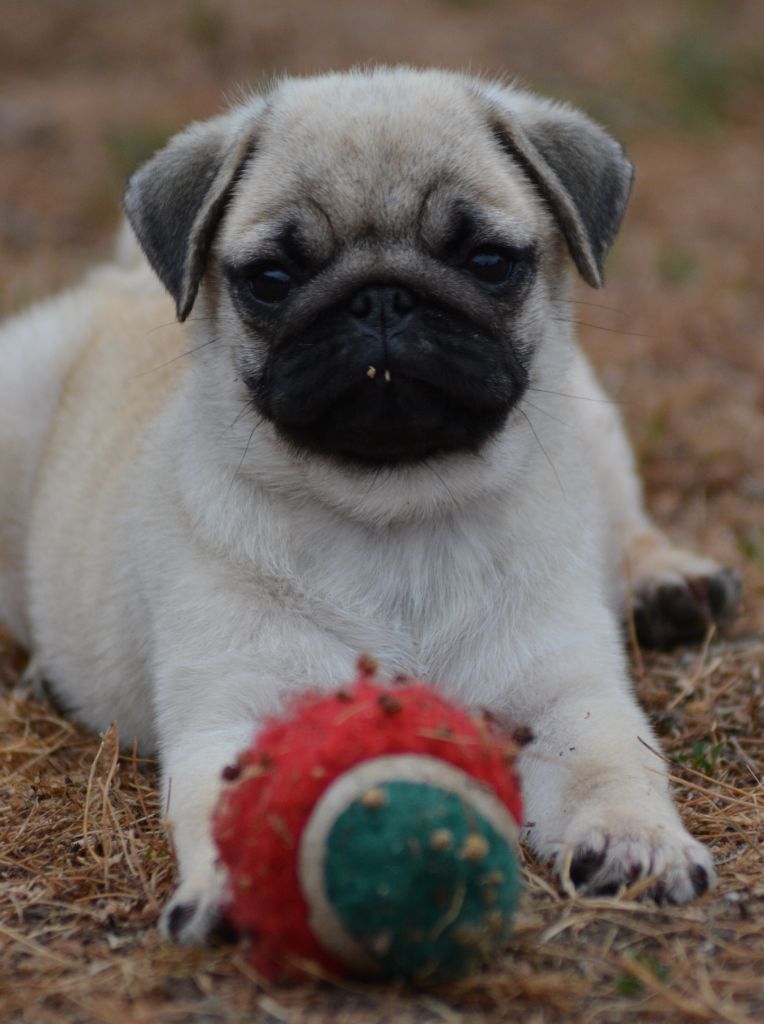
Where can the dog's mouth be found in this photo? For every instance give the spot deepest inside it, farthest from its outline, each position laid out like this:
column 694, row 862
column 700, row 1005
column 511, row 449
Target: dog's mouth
column 399, row 390
column 392, row 418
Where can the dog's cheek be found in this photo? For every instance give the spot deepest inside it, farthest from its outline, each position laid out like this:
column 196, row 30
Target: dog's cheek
column 223, row 337
column 251, row 364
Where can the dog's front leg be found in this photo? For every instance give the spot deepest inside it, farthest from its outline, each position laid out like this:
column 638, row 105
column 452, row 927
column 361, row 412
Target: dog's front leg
column 192, row 768
column 673, row 594
column 208, row 710
column 598, row 802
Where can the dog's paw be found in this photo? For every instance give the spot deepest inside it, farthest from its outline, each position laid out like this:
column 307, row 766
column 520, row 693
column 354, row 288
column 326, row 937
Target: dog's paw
column 677, row 595
column 600, row 860
column 194, row 914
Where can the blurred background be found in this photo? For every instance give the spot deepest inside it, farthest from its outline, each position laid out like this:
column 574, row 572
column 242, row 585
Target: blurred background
column 89, row 88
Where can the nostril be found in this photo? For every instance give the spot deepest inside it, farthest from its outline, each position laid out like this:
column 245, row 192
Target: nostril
column 361, row 304
column 403, row 301
column 389, row 302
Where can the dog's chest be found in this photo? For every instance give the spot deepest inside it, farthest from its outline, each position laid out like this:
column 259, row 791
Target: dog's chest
column 417, row 598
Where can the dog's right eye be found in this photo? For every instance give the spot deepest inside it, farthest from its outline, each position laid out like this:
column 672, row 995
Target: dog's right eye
column 491, row 266
column 269, row 283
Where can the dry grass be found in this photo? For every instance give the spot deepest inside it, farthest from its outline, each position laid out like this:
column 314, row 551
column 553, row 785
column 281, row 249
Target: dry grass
column 85, row 865
column 86, row 89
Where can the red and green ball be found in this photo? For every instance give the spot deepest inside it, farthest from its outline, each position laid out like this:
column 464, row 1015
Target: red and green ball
column 373, row 832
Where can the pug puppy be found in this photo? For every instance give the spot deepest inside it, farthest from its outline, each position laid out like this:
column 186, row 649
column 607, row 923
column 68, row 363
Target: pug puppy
column 369, row 430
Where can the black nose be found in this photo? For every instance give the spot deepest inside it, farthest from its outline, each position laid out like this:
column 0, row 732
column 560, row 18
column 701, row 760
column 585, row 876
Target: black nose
column 386, row 303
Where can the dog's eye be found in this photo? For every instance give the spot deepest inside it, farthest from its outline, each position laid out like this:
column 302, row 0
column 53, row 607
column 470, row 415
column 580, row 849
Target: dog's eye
column 491, row 266
column 269, row 283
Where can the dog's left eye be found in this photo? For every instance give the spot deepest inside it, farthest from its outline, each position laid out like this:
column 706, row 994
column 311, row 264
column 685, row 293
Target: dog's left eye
column 269, row 283
column 491, row 266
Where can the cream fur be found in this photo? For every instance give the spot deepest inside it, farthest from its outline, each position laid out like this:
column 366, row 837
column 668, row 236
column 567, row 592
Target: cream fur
column 174, row 567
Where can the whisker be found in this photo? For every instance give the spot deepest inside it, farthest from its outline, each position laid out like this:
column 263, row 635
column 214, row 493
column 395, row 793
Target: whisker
column 594, row 305
column 546, row 412
column 246, row 407
column 161, row 327
column 599, row 327
column 219, row 317
column 543, row 449
column 244, row 454
column 578, row 398
column 169, row 362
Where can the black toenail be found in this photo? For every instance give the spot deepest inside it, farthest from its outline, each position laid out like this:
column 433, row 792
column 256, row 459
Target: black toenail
column 699, row 879
column 179, row 916
column 634, row 872
column 585, row 864
column 223, row 933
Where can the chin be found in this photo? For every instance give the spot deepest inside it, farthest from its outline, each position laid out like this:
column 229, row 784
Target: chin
column 395, row 423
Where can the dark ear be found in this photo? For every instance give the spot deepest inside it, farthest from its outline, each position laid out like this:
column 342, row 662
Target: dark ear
column 175, row 201
column 582, row 173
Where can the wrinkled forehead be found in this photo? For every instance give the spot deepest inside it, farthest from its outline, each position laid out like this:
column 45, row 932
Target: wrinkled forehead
column 359, row 158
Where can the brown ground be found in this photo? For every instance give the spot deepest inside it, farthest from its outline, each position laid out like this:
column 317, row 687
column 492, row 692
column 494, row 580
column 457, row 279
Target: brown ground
column 87, row 89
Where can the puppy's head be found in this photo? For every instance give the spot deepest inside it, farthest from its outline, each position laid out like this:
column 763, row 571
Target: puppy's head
column 379, row 252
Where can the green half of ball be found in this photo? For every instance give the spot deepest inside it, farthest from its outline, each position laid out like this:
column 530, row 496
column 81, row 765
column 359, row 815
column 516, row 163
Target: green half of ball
column 423, row 880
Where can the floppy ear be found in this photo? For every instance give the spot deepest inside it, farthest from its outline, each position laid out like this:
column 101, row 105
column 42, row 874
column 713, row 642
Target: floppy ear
column 582, row 173
column 176, row 200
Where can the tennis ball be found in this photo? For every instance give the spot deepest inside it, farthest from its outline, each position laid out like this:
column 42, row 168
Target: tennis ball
column 372, row 832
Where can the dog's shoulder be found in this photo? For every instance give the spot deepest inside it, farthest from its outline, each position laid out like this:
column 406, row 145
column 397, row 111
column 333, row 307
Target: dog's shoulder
column 129, row 364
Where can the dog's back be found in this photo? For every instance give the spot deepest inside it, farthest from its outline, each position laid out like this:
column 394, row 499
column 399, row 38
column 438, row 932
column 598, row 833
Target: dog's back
column 39, row 352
